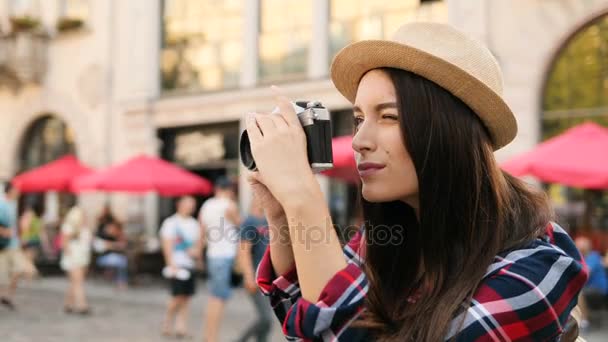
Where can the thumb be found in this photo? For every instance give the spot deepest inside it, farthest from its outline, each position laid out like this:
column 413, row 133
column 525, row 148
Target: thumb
column 253, row 177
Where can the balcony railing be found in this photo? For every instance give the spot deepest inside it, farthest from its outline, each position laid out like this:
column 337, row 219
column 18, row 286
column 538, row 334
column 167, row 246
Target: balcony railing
column 23, row 53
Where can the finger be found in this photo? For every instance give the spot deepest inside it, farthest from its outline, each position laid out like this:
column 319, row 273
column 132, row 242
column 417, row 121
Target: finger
column 265, row 123
column 253, row 130
column 285, row 107
column 279, row 121
column 253, row 176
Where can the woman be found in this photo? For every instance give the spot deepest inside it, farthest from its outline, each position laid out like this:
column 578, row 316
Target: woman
column 453, row 248
column 75, row 258
column 111, row 243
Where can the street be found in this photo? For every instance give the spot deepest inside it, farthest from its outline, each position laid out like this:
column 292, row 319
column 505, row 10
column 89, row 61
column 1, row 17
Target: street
column 134, row 315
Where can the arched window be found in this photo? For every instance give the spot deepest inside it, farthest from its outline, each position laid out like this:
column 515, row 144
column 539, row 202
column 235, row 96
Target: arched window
column 47, row 139
column 576, row 90
column 577, row 84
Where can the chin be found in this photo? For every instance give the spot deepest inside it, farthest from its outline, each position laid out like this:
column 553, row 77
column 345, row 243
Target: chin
column 376, row 194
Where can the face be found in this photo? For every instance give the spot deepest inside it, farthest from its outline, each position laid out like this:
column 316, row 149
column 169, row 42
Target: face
column 386, row 169
column 186, row 206
column 13, row 193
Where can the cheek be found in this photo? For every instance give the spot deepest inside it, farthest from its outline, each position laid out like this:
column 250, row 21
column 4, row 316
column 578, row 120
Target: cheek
column 406, row 174
column 399, row 181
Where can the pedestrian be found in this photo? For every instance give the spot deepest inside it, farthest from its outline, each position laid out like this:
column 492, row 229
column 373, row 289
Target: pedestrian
column 76, row 239
column 253, row 244
column 182, row 246
column 219, row 217
column 453, row 247
column 13, row 263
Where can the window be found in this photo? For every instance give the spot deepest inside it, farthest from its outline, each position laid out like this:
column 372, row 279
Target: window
column 577, row 85
column 77, row 9
column 202, row 44
column 576, row 90
column 46, row 140
column 353, row 20
column 285, row 34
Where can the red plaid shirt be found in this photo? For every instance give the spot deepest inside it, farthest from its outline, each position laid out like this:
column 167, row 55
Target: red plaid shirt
column 526, row 294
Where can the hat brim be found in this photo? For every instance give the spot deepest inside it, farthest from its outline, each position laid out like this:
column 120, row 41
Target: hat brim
column 356, row 59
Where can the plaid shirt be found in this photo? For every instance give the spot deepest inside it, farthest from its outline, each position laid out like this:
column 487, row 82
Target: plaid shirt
column 526, row 294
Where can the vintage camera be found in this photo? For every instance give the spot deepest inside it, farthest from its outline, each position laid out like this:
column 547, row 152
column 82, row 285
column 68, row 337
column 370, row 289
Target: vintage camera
column 316, row 122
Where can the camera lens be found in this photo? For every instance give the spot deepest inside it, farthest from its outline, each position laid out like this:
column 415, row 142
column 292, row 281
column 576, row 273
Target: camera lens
column 246, row 156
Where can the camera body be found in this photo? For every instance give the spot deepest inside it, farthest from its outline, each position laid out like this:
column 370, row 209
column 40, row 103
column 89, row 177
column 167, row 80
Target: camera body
column 316, row 122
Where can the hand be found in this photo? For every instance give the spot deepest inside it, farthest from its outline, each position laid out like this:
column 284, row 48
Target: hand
column 194, row 253
column 199, row 264
column 272, row 208
column 250, row 285
column 278, row 145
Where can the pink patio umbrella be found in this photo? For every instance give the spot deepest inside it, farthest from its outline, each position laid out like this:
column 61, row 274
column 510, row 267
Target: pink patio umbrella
column 143, row 174
column 578, row 158
column 345, row 167
column 54, row 176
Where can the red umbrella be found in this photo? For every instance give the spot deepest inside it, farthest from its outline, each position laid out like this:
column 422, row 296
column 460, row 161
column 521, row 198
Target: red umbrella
column 345, row 166
column 142, row 174
column 578, row 158
column 54, row 176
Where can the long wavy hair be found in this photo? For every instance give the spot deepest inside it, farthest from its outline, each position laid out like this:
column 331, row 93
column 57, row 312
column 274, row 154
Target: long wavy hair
column 469, row 211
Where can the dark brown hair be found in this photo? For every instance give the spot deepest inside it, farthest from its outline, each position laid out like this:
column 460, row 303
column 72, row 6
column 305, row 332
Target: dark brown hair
column 469, row 212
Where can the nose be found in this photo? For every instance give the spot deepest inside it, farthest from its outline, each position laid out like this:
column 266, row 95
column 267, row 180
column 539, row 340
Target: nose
column 363, row 140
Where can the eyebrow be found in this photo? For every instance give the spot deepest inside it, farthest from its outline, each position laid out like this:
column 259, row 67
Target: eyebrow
column 378, row 107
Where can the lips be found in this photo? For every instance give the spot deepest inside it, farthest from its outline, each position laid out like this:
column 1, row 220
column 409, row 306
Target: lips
column 368, row 168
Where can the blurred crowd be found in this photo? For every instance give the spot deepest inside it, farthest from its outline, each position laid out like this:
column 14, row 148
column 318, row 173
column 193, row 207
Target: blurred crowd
column 214, row 241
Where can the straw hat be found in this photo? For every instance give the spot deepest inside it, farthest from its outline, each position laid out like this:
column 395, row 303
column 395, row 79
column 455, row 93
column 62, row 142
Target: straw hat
column 443, row 55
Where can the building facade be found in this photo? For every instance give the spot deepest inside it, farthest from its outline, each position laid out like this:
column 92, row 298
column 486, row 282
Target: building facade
column 174, row 78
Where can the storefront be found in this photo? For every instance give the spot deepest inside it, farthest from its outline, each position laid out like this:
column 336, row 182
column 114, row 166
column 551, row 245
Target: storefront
column 209, row 151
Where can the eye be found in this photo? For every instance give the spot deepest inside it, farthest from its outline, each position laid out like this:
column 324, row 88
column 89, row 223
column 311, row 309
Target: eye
column 390, row 116
column 357, row 121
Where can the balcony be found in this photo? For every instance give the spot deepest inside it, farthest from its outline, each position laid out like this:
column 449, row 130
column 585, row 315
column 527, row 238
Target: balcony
column 23, row 53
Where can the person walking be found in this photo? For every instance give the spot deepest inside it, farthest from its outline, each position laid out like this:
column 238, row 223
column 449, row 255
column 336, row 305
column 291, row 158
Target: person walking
column 219, row 218
column 253, row 244
column 181, row 245
column 13, row 263
column 76, row 239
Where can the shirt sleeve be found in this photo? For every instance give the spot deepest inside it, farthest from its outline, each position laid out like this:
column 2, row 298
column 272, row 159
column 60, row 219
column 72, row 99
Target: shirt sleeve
column 166, row 230
column 340, row 302
column 67, row 229
column 529, row 299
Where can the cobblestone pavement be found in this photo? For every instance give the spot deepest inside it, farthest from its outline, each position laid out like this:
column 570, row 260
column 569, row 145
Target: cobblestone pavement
column 134, row 315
